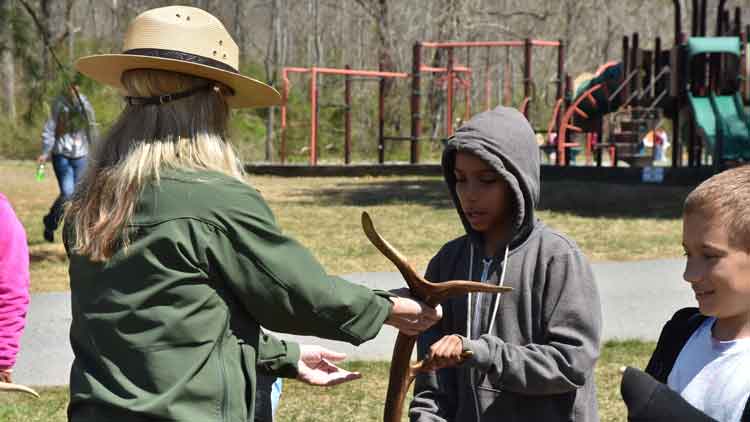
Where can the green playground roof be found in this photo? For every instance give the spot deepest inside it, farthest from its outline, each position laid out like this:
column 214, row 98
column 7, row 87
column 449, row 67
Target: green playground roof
column 705, row 45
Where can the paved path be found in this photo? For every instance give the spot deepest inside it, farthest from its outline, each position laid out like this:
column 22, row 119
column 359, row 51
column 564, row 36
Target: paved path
column 637, row 298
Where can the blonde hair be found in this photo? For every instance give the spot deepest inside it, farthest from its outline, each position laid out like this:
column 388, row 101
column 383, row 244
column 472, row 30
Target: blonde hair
column 724, row 199
column 189, row 133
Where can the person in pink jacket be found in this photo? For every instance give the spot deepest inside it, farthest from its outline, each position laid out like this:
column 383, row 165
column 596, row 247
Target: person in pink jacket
column 14, row 286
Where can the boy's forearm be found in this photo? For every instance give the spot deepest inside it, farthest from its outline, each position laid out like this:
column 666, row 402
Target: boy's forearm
column 533, row 369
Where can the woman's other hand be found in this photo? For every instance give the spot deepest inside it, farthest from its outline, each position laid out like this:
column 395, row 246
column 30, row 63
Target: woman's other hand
column 315, row 367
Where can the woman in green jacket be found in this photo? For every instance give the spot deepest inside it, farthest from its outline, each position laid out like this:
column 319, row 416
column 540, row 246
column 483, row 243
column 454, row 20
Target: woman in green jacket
column 176, row 262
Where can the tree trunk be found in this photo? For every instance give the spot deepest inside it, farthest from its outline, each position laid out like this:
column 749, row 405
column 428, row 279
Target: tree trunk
column 239, row 19
column 8, row 68
column 45, row 7
column 274, row 62
column 71, row 27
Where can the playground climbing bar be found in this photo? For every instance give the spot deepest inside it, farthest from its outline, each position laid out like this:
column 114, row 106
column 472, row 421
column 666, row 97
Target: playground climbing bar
column 452, row 69
column 314, row 72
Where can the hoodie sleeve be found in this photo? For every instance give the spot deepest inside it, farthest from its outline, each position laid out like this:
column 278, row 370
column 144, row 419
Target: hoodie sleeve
column 434, row 392
column 566, row 359
column 14, row 284
column 48, row 132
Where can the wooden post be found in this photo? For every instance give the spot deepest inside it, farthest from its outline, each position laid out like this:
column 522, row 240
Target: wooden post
column 347, row 117
column 561, row 158
column 527, row 73
column 745, row 63
column 658, row 64
column 677, row 92
column 314, row 117
column 449, row 95
column 720, row 28
column 381, row 117
column 560, row 68
column 635, row 60
column 487, row 82
column 695, row 27
column 284, row 107
column 626, row 65
column 416, row 98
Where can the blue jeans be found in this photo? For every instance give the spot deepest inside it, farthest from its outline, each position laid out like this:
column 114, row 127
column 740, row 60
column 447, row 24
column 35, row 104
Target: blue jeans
column 68, row 171
column 267, row 397
column 275, row 395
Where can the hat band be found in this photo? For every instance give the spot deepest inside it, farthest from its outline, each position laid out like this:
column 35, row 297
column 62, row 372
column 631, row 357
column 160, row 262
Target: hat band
column 162, row 99
column 182, row 56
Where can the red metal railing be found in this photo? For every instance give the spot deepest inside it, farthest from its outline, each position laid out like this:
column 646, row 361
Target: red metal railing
column 314, row 71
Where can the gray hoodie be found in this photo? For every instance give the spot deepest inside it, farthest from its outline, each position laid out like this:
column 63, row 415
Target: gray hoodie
column 535, row 361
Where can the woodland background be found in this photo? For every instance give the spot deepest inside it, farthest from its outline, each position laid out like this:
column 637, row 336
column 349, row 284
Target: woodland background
column 36, row 35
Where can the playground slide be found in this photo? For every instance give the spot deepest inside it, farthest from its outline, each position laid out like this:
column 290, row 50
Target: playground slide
column 609, row 75
column 723, row 115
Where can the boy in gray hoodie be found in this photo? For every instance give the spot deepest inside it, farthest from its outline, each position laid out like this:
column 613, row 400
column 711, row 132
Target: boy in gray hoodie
column 534, row 348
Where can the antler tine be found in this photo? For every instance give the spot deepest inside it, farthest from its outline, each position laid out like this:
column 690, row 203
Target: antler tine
column 402, row 374
column 10, row 387
column 448, row 289
column 407, row 271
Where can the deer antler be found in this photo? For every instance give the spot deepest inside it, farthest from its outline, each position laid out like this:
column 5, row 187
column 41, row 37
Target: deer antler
column 10, row 387
column 402, row 373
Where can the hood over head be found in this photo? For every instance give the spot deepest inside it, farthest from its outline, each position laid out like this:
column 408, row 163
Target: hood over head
column 503, row 138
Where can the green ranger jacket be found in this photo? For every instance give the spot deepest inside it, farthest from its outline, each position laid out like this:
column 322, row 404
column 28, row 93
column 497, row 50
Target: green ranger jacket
column 168, row 328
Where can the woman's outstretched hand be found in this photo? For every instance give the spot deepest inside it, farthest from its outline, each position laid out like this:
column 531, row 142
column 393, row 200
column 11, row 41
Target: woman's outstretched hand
column 411, row 316
column 315, row 367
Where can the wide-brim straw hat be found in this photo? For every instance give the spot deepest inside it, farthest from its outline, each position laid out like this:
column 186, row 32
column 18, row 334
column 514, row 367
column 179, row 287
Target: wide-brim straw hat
column 186, row 40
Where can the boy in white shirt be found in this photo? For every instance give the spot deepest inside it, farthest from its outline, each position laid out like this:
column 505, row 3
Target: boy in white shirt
column 704, row 354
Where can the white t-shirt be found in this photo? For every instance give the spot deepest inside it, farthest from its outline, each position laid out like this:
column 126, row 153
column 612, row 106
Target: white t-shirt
column 713, row 375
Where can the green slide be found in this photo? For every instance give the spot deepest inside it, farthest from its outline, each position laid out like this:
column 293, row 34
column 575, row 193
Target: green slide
column 720, row 117
column 723, row 116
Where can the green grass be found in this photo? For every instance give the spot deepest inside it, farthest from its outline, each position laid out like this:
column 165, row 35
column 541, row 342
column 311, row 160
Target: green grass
column 360, row 400
column 609, row 222
column 413, row 213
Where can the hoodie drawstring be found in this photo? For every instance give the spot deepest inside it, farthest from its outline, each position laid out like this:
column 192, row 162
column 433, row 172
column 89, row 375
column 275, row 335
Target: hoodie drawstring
column 499, row 295
column 469, row 319
column 496, row 298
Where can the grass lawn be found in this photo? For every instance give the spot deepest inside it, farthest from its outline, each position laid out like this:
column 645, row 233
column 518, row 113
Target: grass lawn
column 609, row 222
column 360, row 400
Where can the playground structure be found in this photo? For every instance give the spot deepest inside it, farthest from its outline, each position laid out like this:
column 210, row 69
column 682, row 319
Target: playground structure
column 699, row 84
column 453, row 75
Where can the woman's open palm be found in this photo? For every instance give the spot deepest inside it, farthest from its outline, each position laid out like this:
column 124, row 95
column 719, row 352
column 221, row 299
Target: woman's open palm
column 315, row 367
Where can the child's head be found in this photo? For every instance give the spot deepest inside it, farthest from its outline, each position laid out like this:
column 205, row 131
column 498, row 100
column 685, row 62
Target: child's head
column 491, row 166
column 484, row 196
column 716, row 238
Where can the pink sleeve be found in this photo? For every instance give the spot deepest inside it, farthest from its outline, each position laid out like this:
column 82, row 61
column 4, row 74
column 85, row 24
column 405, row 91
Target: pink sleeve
column 14, row 283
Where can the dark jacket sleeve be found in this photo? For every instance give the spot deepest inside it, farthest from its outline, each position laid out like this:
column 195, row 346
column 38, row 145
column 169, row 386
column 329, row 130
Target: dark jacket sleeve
column 435, row 393
column 673, row 337
column 563, row 362
column 282, row 285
